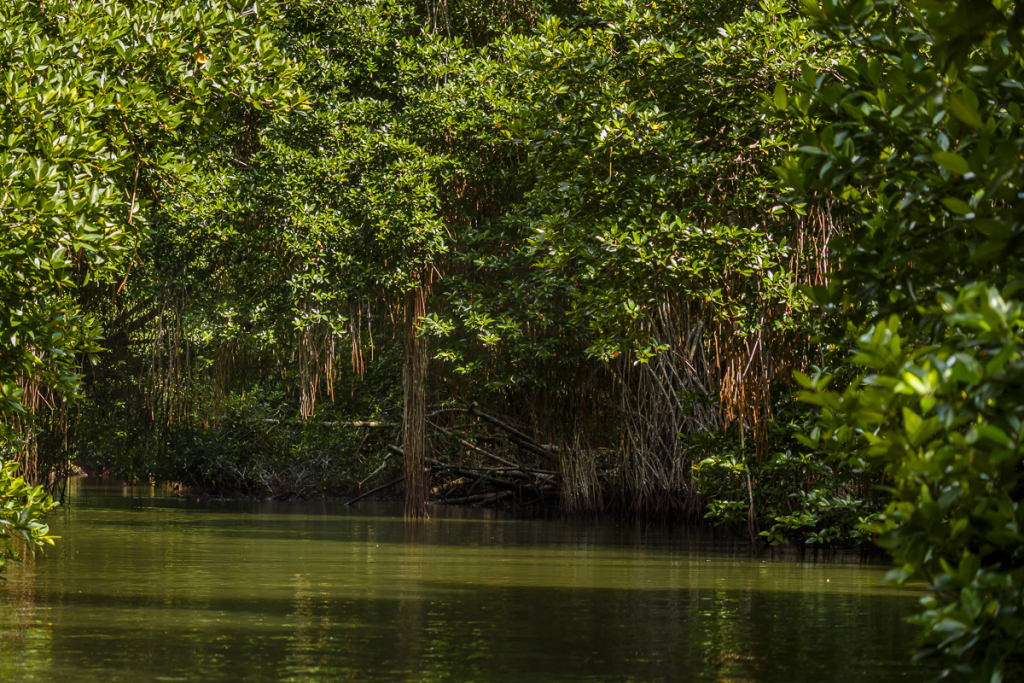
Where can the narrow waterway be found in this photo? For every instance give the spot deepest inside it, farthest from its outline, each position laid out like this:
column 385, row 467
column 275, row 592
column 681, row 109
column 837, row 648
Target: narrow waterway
column 176, row 590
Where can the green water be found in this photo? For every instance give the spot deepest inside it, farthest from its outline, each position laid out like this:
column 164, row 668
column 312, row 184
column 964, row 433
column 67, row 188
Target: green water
column 177, row 590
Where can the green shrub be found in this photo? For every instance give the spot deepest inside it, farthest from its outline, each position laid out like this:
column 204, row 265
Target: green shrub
column 21, row 509
column 943, row 422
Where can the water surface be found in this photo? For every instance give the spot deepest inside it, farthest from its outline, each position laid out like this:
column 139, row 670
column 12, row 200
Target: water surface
column 171, row 589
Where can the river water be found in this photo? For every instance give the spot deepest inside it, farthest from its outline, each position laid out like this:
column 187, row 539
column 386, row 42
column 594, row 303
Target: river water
column 151, row 588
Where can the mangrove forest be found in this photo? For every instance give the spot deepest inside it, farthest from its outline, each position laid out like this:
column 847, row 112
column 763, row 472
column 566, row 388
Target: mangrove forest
column 601, row 274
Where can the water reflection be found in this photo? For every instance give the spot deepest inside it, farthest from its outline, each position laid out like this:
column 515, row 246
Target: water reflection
column 180, row 590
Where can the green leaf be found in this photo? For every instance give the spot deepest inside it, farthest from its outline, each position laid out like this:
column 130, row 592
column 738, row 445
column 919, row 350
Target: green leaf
column 780, row 98
column 965, row 110
column 972, row 602
column 957, row 206
column 992, row 433
column 952, row 161
column 911, row 421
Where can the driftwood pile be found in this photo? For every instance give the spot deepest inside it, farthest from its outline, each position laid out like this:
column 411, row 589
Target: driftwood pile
column 514, row 469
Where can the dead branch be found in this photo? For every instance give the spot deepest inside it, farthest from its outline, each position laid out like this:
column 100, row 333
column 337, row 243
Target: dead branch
column 526, row 442
column 376, row 490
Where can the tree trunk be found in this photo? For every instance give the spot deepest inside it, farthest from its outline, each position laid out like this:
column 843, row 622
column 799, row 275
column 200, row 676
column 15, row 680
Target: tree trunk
column 414, row 381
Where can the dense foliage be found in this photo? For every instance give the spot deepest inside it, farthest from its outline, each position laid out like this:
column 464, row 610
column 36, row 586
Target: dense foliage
column 96, row 98
column 919, row 139
column 22, row 507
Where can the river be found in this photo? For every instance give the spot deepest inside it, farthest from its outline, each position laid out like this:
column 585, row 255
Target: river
column 162, row 588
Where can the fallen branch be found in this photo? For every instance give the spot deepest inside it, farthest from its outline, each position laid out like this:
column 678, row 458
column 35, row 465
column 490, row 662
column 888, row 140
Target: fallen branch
column 474, row 447
column 508, row 486
column 374, row 473
column 357, row 423
column 477, row 498
column 513, row 468
column 526, row 442
column 447, row 410
column 373, row 491
column 500, row 483
column 494, row 499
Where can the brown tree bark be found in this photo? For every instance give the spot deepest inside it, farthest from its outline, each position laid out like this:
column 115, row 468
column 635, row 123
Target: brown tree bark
column 414, row 424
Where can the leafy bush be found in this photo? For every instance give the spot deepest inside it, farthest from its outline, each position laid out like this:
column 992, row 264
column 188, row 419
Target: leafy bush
column 21, row 510
column 917, row 138
column 798, row 495
column 943, row 421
